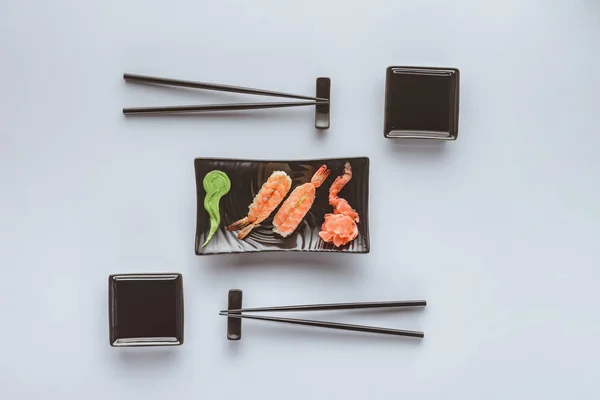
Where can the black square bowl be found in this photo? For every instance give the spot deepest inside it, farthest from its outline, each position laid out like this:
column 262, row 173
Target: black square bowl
column 421, row 103
column 145, row 309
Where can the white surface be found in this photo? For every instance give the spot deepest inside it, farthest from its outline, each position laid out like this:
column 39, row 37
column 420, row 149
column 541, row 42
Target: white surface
column 498, row 230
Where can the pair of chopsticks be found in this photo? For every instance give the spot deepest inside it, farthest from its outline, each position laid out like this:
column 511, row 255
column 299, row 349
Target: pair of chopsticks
column 309, row 101
column 237, row 313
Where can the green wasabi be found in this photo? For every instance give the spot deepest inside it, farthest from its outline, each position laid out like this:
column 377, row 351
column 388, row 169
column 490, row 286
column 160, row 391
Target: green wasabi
column 216, row 184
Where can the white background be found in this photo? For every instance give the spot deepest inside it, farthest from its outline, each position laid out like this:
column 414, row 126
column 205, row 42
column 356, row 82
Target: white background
column 498, row 231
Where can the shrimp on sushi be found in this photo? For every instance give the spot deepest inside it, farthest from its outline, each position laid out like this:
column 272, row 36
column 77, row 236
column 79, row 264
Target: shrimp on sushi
column 340, row 227
column 296, row 206
column 270, row 195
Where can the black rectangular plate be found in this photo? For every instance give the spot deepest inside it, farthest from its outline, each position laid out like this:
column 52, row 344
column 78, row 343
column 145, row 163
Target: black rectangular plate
column 247, row 177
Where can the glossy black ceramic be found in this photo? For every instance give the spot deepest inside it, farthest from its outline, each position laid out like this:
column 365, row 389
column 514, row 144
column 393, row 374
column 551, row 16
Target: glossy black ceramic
column 234, row 325
column 421, row 102
column 145, row 309
column 247, row 177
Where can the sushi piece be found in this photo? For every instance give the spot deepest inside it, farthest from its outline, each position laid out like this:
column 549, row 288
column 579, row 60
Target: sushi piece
column 296, row 206
column 270, row 195
column 340, row 227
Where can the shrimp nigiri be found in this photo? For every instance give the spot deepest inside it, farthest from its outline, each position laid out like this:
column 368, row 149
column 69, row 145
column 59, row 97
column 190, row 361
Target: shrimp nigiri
column 296, row 206
column 340, row 227
column 272, row 192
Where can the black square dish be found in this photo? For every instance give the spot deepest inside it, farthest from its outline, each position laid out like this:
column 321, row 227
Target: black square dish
column 145, row 309
column 421, row 103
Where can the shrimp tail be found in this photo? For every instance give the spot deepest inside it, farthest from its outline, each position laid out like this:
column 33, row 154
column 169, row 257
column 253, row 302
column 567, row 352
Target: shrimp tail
column 320, row 176
column 237, row 225
column 339, row 184
column 244, row 232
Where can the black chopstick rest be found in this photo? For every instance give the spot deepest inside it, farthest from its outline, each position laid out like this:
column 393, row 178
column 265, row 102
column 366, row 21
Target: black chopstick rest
column 234, row 325
column 321, row 102
column 322, row 118
column 145, row 309
column 421, row 103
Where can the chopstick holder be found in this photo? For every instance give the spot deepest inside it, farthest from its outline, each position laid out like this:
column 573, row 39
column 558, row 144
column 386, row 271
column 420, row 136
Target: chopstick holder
column 234, row 325
column 236, row 312
column 321, row 101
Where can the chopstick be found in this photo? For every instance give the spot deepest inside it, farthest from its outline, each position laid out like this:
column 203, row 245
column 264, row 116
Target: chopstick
column 331, row 325
column 214, row 86
column 214, row 107
column 335, row 306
